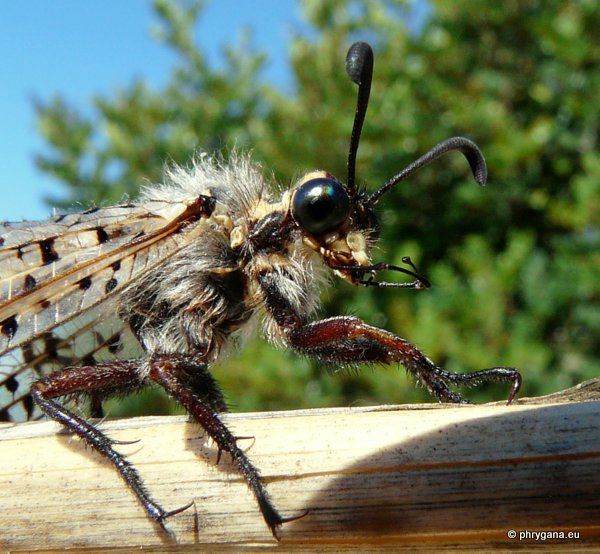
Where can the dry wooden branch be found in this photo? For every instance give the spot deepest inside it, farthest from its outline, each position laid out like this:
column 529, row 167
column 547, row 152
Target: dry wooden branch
column 407, row 477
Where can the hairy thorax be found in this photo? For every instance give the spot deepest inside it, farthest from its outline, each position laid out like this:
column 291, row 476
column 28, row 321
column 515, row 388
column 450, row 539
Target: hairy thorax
column 208, row 292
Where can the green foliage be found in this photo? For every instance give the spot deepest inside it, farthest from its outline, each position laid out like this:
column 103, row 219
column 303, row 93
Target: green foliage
column 515, row 266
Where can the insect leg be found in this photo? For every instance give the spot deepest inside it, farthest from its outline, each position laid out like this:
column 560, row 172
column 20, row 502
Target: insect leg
column 348, row 340
column 101, row 379
column 181, row 376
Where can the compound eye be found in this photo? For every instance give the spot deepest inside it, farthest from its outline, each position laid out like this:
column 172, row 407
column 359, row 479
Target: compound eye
column 320, row 205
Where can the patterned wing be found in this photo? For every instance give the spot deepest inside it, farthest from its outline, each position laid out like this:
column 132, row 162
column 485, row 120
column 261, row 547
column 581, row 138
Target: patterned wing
column 58, row 284
column 94, row 336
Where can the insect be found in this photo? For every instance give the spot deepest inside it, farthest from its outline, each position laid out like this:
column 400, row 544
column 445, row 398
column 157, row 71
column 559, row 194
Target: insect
column 112, row 299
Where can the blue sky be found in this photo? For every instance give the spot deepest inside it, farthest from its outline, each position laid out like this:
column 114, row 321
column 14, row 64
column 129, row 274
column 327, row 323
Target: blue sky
column 80, row 48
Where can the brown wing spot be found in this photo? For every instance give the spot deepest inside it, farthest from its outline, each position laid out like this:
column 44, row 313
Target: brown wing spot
column 111, row 285
column 88, row 360
column 102, row 235
column 5, row 416
column 28, row 405
column 116, row 265
column 1, row 241
column 45, row 304
column 51, row 346
column 85, row 283
column 30, row 282
column 11, row 384
column 114, row 343
column 9, row 327
column 47, row 251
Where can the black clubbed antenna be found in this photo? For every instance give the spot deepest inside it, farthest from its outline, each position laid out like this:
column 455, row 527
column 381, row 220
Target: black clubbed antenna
column 359, row 66
column 467, row 147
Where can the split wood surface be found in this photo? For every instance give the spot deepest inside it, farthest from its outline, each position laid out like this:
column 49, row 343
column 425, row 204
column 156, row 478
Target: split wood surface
column 424, row 477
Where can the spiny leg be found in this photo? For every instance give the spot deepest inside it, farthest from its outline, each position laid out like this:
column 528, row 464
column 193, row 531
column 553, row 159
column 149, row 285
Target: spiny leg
column 496, row 374
column 98, row 380
column 350, row 340
column 187, row 380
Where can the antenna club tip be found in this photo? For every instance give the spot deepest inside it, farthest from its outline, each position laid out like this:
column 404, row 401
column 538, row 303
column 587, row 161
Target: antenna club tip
column 359, row 58
column 473, row 155
column 480, row 172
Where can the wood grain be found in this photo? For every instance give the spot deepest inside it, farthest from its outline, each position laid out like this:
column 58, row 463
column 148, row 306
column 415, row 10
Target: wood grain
column 408, row 477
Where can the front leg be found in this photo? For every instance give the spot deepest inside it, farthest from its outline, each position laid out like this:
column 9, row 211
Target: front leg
column 348, row 340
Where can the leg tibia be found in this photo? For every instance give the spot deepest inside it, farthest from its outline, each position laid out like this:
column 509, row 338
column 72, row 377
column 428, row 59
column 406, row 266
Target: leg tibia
column 349, row 340
column 176, row 375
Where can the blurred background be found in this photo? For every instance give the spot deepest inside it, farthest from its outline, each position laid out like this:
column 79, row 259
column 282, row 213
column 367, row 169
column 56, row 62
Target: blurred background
column 515, row 267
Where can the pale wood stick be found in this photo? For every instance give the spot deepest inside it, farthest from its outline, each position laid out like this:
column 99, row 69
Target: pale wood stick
column 390, row 477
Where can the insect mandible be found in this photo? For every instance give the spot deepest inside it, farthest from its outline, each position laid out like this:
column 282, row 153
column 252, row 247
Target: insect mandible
column 112, row 299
